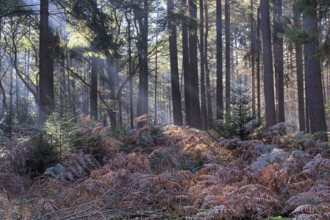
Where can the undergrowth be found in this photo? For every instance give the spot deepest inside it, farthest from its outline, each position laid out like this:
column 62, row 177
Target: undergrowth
column 170, row 173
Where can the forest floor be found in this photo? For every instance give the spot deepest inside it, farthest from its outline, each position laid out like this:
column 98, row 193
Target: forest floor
column 172, row 173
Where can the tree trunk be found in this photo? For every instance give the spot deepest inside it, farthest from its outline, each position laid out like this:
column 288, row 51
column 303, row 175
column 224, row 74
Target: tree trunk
column 10, row 118
column 253, row 59
column 227, row 36
column 4, row 101
column 175, row 83
column 143, row 104
column 314, row 94
column 112, row 76
column 299, row 71
column 278, row 58
column 258, row 67
column 268, row 64
column 130, row 73
column 46, row 75
column 207, row 68
column 156, row 84
column 202, row 66
column 93, row 89
column 219, row 61
column 194, row 93
column 186, row 63
column 2, row 89
column 156, row 69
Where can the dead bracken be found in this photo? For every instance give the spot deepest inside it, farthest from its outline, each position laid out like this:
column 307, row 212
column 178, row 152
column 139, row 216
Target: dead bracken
column 181, row 172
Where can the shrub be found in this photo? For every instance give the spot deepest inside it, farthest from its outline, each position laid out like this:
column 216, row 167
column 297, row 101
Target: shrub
column 119, row 132
column 239, row 122
column 89, row 144
column 60, row 128
column 147, row 136
column 33, row 156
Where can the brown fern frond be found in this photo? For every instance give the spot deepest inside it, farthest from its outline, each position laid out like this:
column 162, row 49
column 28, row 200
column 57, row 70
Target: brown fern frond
column 308, row 217
column 188, row 209
column 317, row 166
column 138, row 162
column 312, row 212
column 254, row 197
column 217, row 212
column 321, row 185
column 306, row 209
column 299, row 183
column 232, row 144
column 44, row 205
column 307, row 198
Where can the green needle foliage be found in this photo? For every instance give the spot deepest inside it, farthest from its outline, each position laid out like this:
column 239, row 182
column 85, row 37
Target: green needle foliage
column 239, row 122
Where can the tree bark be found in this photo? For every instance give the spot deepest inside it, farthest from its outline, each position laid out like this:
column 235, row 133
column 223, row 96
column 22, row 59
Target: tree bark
column 227, row 36
column 194, row 93
column 186, row 62
column 2, row 89
column 202, row 66
column 278, row 58
column 268, row 64
column 299, row 72
column 143, row 104
column 46, row 75
column 207, row 68
column 314, row 94
column 253, row 57
column 112, row 76
column 175, row 83
column 93, row 89
column 258, row 67
column 219, row 82
column 130, row 73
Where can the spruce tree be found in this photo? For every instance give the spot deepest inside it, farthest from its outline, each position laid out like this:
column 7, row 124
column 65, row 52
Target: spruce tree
column 239, row 119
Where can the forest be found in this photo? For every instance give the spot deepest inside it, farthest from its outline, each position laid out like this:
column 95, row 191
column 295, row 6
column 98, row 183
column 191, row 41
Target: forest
column 164, row 109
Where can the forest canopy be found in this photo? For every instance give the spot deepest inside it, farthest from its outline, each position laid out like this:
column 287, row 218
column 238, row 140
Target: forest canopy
column 176, row 61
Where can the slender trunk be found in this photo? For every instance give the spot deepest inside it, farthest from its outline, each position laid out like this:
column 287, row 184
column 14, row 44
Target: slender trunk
column 253, row 59
column 219, row 61
column 207, row 68
column 307, row 119
column 278, row 58
column 93, row 89
column 186, row 62
column 328, row 82
column 268, row 64
column 143, row 104
column 10, row 122
column 299, row 72
column 112, row 76
column 4, row 102
column 17, row 112
column 258, row 67
column 130, row 73
column 156, row 71
column 227, row 36
column 202, row 66
column 194, row 93
column 156, row 84
column 175, row 83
